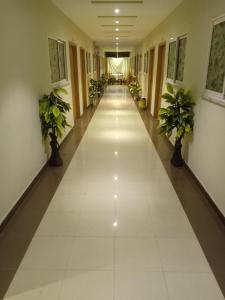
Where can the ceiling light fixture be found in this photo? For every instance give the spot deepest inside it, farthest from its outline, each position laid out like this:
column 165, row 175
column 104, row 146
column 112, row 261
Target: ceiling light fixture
column 117, row 29
column 117, row 10
column 117, row 22
column 117, row 38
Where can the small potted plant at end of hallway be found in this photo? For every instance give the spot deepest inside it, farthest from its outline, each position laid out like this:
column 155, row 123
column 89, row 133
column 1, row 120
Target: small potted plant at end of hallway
column 178, row 115
column 52, row 111
column 142, row 103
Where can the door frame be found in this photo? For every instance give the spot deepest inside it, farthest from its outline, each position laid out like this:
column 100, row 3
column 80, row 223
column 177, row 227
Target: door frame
column 83, row 77
column 150, row 76
column 159, row 77
column 74, row 80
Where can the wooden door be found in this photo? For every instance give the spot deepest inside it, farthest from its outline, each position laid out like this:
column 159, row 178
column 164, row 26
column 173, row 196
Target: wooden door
column 98, row 67
column 150, row 77
column 83, row 77
column 159, row 78
column 74, row 81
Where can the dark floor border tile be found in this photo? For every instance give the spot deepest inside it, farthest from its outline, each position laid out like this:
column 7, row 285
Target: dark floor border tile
column 205, row 218
column 18, row 229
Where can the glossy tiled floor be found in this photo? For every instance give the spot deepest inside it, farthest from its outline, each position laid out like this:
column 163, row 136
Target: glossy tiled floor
column 115, row 229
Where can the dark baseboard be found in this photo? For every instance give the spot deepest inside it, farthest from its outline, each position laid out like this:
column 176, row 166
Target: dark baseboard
column 14, row 209
column 208, row 197
column 36, row 178
column 201, row 187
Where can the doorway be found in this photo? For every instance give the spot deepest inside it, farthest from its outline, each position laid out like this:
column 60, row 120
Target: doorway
column 150, row 77
column 83, row 78
column 159, row 78
column 98, row 67
column 74, row 81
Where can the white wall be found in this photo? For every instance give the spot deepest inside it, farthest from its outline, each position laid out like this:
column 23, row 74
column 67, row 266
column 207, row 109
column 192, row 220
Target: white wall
column 205, row 153
column 25, row 26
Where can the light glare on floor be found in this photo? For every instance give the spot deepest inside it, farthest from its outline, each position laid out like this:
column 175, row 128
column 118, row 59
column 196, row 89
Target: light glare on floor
column 115, row 196
column 116, row 153
column 115, row 224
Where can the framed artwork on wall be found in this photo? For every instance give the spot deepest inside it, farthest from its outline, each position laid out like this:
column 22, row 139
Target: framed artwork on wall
column 172, row 54
column 58, row 62
column 181, row 54
column 215, row 80
column 176, row 60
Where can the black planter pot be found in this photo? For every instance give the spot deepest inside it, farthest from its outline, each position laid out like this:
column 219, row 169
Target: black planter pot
column 177, row 159
column 55, row 159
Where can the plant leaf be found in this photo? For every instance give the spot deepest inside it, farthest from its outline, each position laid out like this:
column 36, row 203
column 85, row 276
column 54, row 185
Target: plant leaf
column 170, row 88
column 56, row 111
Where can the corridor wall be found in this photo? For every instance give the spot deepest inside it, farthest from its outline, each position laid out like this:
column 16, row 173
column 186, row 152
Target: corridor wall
column 204, row 152
column 25, row 26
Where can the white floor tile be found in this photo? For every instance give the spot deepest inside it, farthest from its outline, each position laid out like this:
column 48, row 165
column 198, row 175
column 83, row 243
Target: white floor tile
column 35, row 284
column 86, row 285
column 193, row 286
column 96, row 224
column 91, row 254
column 137, row 254
column 140, row 285
column 47, row 253
column 171, row 223
column 58, row 224
column 182, row 255
column 133, row 226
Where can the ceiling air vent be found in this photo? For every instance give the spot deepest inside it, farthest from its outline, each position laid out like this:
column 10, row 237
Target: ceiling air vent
column 123, row 17
column 116, row 2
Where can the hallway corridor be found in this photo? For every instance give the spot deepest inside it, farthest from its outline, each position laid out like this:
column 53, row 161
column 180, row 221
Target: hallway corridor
column 115, row 228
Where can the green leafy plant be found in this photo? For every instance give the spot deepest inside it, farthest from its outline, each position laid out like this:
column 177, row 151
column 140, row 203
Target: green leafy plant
column 93, row 91
column 135, row 89
column 179, row 115
column 52, row 112
column 96, row 88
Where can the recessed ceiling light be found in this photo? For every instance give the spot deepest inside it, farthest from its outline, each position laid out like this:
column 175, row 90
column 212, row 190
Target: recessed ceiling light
column 115, row 178
column 117, row 38
column 117, row 22
column 115, row 196
column 117, row 29
column 117, row 10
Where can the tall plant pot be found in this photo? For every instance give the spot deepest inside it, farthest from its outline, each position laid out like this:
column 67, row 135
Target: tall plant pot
column 55, row 159
column 177, row 159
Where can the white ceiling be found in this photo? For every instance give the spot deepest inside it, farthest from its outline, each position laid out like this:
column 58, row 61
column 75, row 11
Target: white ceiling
column 147, row 15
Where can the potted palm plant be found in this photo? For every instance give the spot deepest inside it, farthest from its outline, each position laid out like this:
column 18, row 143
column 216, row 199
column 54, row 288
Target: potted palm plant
column 52, row 112
column 135, row 89
column 179, row 115
column 93, row 91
